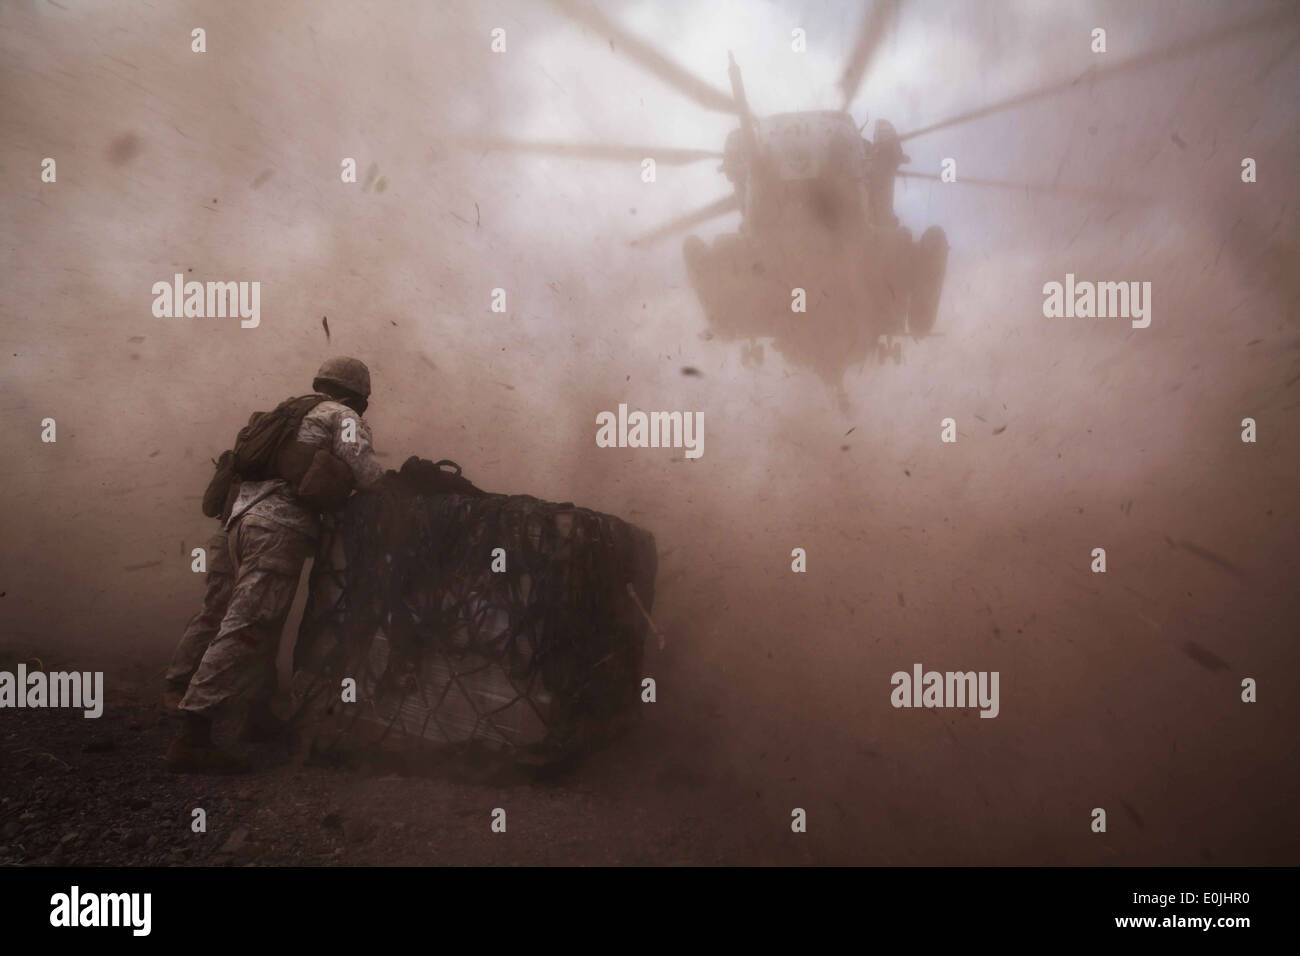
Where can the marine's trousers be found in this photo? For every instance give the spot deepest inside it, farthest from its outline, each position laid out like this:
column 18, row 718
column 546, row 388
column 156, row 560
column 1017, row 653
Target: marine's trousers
column 239, row 661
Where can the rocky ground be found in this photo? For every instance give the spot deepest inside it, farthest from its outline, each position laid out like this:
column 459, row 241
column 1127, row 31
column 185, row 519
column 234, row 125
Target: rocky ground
column 75, row 791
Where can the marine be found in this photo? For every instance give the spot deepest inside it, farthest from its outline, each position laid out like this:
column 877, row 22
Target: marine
column 228, row 651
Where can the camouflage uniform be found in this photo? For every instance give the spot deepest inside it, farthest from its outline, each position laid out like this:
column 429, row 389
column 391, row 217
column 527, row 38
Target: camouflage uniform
column 271, row 534
column 203, row 627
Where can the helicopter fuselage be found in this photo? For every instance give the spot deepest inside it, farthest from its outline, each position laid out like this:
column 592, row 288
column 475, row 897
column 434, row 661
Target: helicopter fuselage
column 820, row 263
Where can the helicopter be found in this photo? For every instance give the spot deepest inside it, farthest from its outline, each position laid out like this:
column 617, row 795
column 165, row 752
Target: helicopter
column 820, row 265
column 820, row 251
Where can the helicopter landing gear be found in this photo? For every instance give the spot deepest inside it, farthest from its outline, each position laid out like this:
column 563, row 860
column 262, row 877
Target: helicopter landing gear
column 890, row 347
column 927, row 281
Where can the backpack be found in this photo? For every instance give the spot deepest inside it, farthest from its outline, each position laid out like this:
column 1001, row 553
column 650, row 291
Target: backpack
column 257, row 452
column 224, row 480
column 260, row 441
column 419, row 476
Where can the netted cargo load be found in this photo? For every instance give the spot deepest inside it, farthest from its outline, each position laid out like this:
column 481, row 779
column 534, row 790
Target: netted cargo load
column 492, row 622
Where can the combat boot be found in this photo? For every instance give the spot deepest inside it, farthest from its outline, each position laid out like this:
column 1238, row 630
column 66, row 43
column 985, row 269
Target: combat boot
column 261, row 726
column 172, row 695
column 194, row 752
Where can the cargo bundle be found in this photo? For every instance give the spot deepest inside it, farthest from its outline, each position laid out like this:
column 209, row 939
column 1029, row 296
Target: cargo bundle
column 442, row 618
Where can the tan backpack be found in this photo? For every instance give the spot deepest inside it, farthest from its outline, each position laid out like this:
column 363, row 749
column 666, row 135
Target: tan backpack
column 267, row 447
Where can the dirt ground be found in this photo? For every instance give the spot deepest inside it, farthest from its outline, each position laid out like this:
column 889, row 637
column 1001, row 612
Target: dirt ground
column 103, row 798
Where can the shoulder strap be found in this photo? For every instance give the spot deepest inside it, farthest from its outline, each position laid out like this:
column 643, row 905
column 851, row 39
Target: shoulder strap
column 294, row 411
column 297, row 408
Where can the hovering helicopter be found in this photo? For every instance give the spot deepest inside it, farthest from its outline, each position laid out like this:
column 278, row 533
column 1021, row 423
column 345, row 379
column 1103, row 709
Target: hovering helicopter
column 818, row 230
column 821, row 264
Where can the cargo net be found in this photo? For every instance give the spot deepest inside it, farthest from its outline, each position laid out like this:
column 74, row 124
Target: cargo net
column 498, row 622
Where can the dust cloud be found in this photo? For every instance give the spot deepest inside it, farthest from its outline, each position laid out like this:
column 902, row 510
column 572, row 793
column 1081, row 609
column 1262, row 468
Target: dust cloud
column 1073, row 433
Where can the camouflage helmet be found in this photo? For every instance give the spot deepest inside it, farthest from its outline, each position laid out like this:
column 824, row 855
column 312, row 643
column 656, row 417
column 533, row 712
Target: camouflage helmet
column 348, row 373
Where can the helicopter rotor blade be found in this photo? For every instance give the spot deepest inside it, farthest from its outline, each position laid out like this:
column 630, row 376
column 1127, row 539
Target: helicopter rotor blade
column 648, row 57
column 1075, row 192
column 724, row 205
column 665, row 156
column 1134, row 63
column 870, row 33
